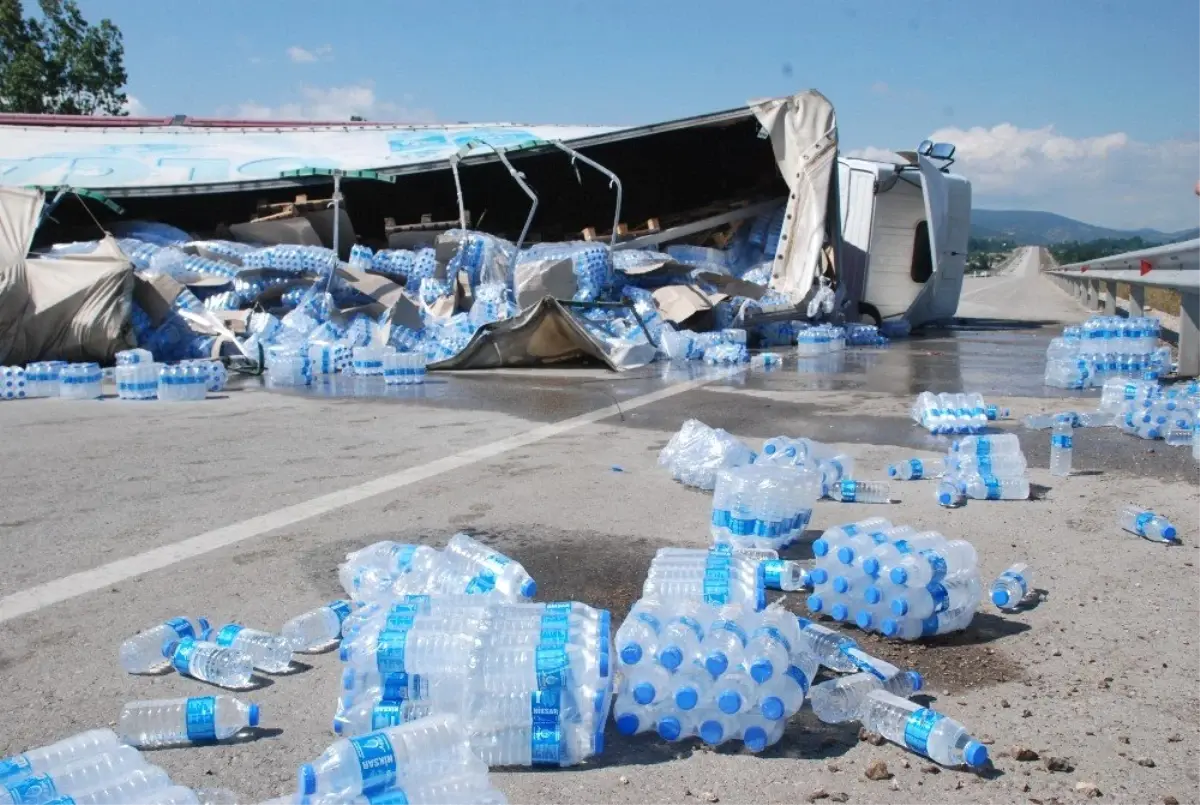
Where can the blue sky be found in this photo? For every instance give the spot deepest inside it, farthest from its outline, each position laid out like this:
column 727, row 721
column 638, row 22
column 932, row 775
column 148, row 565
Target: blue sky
column 1086, row 108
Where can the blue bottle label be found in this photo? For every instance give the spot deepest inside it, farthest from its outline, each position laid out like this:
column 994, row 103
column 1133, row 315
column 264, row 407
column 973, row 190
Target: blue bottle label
column 983, row 448
column 1061, row 441
column 421, row 602
column 902, row 546
column 940, row 596
column 398, row 687
column 849, row 491
column 1019, row 580
column 32, row 790
column 555, row 631
column 773, row 573
column 394, row 797
column 496, row 562
column 341, row 608
column 400, row 617
column 797, row 675
column 916, row 469
column 559, row 608
column 402, row 555
column 917, row 729
column 937, row 563
column 1142, row 521
column 545, row 745
column 862, row 661
column 716, row 591
column 732, row 626
column 545, row 706
column 182, row 626
column 13, row 766
column 693, row 624
column 228, row 634
column 386, row 714
column 182, row 658
column 376, row 761
column 993, row 487
column 721, row 518
column 483, row 583
column 201, row 718
column 651, row 621
column 772, row 634
column 721, row 550
column 550, row 666
column 389, row 652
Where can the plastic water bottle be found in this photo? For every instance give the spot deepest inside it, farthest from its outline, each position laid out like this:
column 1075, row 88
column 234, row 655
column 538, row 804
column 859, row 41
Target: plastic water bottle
column 269, row 652
column 1146, row 523
column 60, row 753
column 85, row 774
column 166, row 722
column 318, row 629
column 785, row 575
column 637, row 636
column 372, row 714
column 1010, row 587
column 838, row 700
column 509, row 577
column 922, row 730
column 993, row 413
column 936, row 597
column 987, row 445
column 1061, row 448
column 682, row 633
column 989, row 487
column 930, row 565
column 830, row 647
column 849, row 491
column 770, row 646
column 143, row 653
column 535, row 745
column 952, row 620
column 380, row 760
column 911, row 470
column 1010, row 465
column 208, row 662
column 141, row 785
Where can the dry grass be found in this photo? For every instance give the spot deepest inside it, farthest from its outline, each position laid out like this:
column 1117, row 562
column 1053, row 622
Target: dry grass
column 1161, row 299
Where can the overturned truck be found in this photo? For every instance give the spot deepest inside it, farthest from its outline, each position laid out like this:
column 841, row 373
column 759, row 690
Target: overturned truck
column 486, row 246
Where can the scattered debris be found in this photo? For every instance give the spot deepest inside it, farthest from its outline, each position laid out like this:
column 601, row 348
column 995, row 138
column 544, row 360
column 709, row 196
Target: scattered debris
column 1024, row 753
column 878, row 770
column 819, row 794
column 1061, row 764
column 709, row 796
column 1146, row 761
column 1090, row 790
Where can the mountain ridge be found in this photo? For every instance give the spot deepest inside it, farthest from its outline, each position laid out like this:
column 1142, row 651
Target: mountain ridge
column 1038, row 228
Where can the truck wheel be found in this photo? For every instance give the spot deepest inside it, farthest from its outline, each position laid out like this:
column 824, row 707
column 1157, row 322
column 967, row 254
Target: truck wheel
column 868, row 313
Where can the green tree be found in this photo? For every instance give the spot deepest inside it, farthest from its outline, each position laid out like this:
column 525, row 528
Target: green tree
column 58, row 63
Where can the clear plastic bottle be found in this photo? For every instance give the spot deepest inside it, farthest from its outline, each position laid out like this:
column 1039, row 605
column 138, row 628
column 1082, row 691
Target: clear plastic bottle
column 785, row 575
column 911, row 470
column 928, row 565
column 848, row 491
column 270, row 652
column 60, row 753
column 783, row 694
column 679, row 726
column 950, row 494
column 632, row 718
column 510, row 578
column 770, row 645
column 682, row 633
column 716, row 728
column 725, row 643
column 464, row 789
column 758, row 732
column 318, row 629
column 143, row 785
column 380, row 760
column 1061, row 448
column 637, row 636
column 1046, row 421
column 208, row 662
column 648, row 684
column 1146, row 523
column 1010, row 587
column 528, row 745
column 143, row 653
column 691, row 688
column 936, row 597
column 1010, row 465
column 828, row 646
column 859, row 527
column 943, row 623
column 167, row 722
column 372, row 714
column 993, row 413
column 85, row 774
column 734, row 692
column 837, row 700
column 989, row 487
column 922, row 730
column 1003, row 443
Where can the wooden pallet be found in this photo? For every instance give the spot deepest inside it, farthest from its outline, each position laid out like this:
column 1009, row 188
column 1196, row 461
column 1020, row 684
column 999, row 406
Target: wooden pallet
column 623, row 231
column 281, row 210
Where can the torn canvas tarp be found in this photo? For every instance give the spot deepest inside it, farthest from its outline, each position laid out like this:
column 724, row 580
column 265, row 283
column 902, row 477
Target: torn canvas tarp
column 72, row 307
column 544, row 334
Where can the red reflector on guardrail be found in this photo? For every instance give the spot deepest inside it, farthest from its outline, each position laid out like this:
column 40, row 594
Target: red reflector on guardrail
column 1145, row 267
column 1083, row 270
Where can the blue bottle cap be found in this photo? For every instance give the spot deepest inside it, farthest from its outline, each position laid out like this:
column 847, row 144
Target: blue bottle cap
column 872, row 595
column 603, row 661
column 669, row 728
column 686, row 698
column 839, row 612
column 900, row 607
column 870, row 566
column 343, row 653
column 716, row 663
column 308, row 779
column 670, row 658
column 845, row 555
column 755, row 739
column 841, row 585
column 899, row 576
column 1000, row 597
column 892, row 471
column 729, row 702
column 643, row 693
column 631, row 653
column 761, row 671
column 945, row 499
column 169, row 648
column 918, row 681
column 818, row 575
column 760, row 592
column 815, row 603
column 204, row 625
column 529, row 588
column 1169, row 532
column 254, row 715
column 975, row 754
column 712, row 732
column 627, row 724
column 863, row 619
column 348, row 679
column 889, row 627
column 337, row 726
column 771, row 707
column 820, row 547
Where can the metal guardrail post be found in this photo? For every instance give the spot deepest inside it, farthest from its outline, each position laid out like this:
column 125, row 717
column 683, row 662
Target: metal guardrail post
column 1137, row 300
column 1189, row 334
column 1110, row 298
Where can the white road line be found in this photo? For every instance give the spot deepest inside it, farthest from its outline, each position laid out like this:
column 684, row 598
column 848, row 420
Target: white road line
column 44, row 595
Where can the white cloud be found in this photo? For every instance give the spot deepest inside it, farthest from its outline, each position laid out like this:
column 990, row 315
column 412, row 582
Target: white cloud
column 877, row 155
column 335, row 103
column 134, row 107
column 1109, row 180
column 304, row 56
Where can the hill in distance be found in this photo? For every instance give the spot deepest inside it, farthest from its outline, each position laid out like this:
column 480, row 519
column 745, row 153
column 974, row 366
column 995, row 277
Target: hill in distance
column 1033, row 228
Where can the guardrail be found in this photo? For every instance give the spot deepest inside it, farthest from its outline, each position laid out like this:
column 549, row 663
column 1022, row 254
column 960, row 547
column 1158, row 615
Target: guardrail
column 1175, row 267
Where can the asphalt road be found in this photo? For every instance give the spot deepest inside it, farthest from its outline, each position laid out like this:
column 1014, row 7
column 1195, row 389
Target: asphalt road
column 117, row 515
